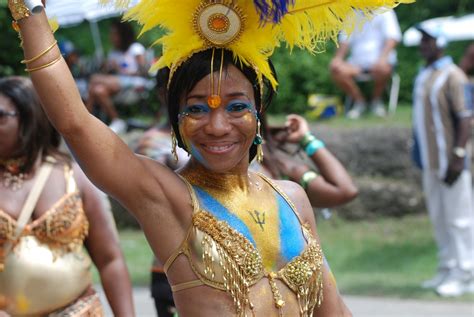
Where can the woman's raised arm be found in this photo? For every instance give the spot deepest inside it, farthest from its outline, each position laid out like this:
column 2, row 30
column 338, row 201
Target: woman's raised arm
column 335, row 187
column 103, row 156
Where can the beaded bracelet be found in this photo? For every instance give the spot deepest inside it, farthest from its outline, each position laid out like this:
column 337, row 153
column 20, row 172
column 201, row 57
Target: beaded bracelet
column 310, row 143
column 308, row 177
column 307, row 138
column 313, row 147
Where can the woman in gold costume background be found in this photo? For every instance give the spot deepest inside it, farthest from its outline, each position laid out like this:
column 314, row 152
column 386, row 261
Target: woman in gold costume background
column 44, row 269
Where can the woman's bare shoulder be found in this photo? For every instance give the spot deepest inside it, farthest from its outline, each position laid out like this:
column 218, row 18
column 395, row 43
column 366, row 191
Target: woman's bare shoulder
column 297, row 196
column 291, row 189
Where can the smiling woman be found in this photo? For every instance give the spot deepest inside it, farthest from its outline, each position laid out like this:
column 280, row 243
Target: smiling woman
column 233, row 242
column 219, row 138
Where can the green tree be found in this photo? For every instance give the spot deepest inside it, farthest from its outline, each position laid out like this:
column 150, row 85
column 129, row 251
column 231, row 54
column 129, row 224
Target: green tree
column 10, row 50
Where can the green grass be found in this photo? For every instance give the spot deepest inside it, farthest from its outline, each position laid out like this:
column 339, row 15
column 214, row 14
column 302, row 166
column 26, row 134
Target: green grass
column 384, row 257
column 138, row 256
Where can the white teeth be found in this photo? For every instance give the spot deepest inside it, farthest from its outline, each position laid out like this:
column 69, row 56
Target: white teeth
column 218, row 148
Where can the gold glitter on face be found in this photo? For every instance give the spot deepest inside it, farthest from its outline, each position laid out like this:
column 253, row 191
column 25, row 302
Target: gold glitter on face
column 220, row 138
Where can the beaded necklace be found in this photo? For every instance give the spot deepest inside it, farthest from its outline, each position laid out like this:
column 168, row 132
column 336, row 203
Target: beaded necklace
column 12, row 176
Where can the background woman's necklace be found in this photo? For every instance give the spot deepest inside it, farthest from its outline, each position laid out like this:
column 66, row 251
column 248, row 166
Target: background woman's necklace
column 12, row 177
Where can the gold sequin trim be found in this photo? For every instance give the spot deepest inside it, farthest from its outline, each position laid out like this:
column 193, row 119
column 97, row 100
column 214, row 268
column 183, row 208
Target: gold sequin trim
column 242, row 266
column 240, row 262
column 304, row 276
column 65, row 227
column 18, row 9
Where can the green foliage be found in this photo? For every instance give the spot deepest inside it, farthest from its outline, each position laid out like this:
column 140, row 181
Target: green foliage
column 300, row 74
column 10, row 50
column 138, row 257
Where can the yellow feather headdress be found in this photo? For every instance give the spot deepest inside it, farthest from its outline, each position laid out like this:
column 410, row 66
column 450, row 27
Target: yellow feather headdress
column 250, row 29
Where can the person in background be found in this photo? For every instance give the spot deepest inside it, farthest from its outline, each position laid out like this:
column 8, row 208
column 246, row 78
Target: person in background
column 467, row 65
column 76, row 64
column 126, row 68
column 43, row 267
column 372, row 51
column 331, row 187
column 467, row 61
column 441, row 119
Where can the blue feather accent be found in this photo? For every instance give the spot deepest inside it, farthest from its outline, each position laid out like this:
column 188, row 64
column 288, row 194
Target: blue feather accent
column 272, row 10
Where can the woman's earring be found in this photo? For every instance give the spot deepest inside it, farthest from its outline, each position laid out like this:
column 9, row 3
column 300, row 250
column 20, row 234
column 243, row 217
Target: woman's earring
column 174, row 144
column 259, row 141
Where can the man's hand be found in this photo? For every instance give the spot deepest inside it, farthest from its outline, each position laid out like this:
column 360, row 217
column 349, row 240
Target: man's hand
column 455, row 168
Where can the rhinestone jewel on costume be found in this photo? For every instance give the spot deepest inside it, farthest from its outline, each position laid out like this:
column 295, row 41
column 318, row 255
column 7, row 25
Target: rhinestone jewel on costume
column 218, row 24
column 214, row 101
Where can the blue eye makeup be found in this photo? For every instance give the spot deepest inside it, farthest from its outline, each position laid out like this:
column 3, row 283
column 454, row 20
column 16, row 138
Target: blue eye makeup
column 234, row 109
column 238, row 106
column 195, row 111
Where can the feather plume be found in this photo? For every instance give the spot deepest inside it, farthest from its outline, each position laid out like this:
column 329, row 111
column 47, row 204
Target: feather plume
column 272, row 10
column 307, row 24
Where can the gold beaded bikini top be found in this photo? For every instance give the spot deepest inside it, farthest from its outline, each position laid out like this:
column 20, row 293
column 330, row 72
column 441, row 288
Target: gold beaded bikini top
column 219, row 253
column 64, row 226
column 46, row 268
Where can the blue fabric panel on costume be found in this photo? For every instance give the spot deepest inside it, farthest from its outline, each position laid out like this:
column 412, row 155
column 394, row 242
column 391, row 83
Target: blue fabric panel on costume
column 211, row 205
column 291, row 244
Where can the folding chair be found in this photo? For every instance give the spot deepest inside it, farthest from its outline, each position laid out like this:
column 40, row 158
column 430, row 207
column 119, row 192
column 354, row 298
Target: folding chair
column 393, row 90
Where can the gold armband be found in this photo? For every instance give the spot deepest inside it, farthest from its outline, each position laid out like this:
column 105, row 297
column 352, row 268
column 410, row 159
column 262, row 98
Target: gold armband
column 18, row 9
column 49, row 48
column 307, row 178
column 45, row 65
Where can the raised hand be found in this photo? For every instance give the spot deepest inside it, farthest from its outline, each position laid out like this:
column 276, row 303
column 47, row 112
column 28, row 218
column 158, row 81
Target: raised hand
column 297, row 127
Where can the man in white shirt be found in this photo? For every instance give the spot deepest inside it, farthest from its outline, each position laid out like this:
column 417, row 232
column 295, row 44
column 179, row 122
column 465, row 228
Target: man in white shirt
column 372, row 51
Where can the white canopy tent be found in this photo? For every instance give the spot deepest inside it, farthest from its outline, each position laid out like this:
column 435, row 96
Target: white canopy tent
column 72, row 12
column 452, row 28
